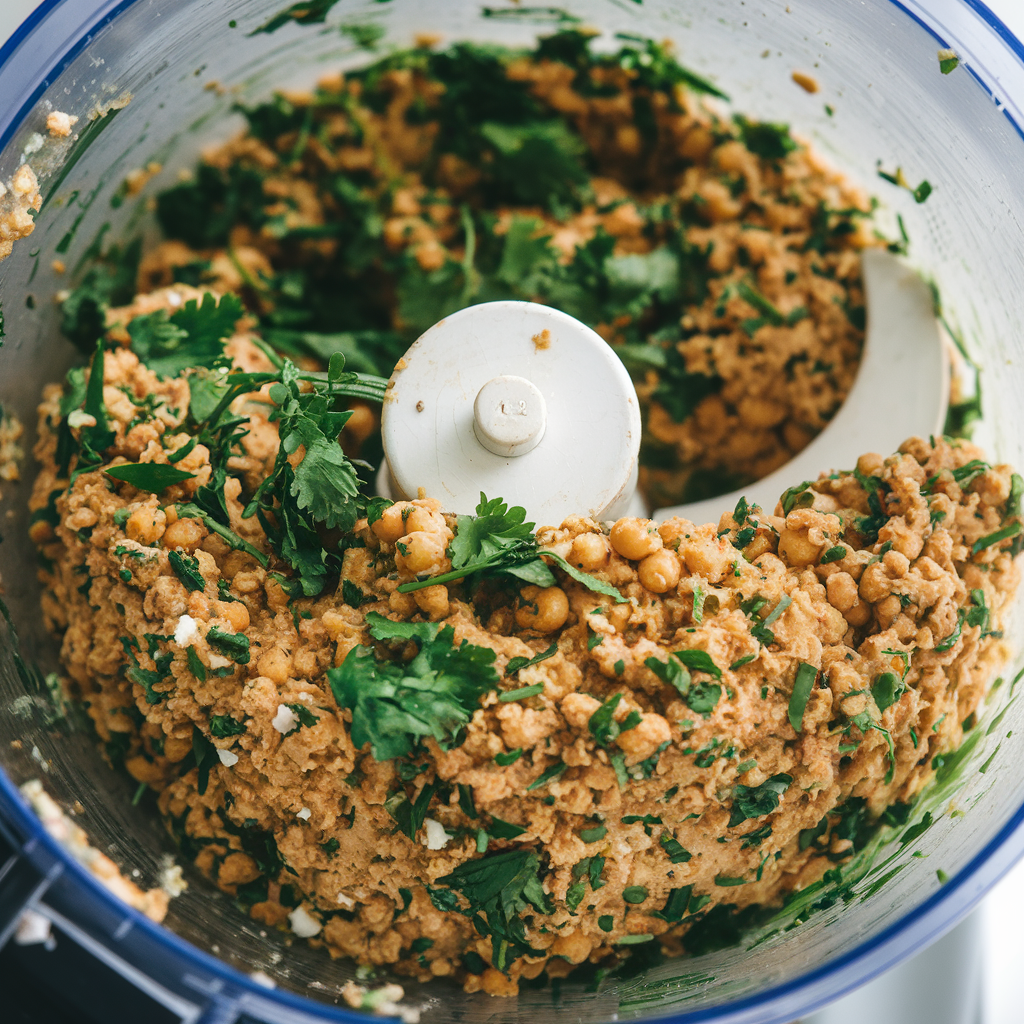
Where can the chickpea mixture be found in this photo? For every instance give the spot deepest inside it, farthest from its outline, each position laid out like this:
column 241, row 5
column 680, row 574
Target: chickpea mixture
column 457, row 746
column 700, row 735
column 717, row 255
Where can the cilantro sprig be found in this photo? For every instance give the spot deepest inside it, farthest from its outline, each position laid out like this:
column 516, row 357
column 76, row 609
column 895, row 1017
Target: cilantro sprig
column 396, row 704
column 701, row 697
column 498, row 541
column 497, row 890
column 757, row 801
column 170, row 344
column 293, row 503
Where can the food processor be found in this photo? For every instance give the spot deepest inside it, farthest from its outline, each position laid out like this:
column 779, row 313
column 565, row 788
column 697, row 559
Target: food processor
column 155, row 81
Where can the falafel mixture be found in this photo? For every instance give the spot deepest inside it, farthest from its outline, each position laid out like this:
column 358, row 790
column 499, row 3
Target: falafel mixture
column 486, row 779
column 454, row 745
column 718, row 255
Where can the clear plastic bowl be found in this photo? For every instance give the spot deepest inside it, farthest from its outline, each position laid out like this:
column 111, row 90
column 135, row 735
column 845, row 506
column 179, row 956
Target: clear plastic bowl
column 877, row 66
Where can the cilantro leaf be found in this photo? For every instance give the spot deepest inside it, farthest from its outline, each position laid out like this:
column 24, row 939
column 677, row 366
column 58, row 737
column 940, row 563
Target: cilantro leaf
column 232, row 645
column 498, row 536
column 536, row 162
column 186, row 568
column 224, row 725
column 498, row 889
column 699, row 697
column 325, row 482
column 192, row 336
column 802, row 686
column 498, row 541
column 524, row 257
column 307, row 12
column 757, row 801
column 208, row 324
column 395, row 704
column 294, row 502
column 149, row 476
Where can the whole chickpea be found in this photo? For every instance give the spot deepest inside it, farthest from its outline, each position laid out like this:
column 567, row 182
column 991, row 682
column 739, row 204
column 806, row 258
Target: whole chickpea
column 423, row 519
column 420, row 552
column 145, row 525
column 635, row 538
column 234, row 612
column 797, row 549
column 589, row 551
column 276, row 665
column 175, row 748
column 432, row 601
column 659, row 572
column 391, row 524
column 184, row 535
column 403, row 604
column 543, row 610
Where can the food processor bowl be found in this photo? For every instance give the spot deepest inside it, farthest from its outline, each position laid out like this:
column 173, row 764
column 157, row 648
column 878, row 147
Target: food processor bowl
column 184, row 64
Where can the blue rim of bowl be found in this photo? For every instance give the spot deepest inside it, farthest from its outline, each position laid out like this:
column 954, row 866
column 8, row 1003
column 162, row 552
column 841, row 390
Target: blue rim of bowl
column 25, row 30
column 883, row 948
column 1006, row 37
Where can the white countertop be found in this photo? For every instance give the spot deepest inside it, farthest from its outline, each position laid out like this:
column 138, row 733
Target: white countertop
column 1003, row 911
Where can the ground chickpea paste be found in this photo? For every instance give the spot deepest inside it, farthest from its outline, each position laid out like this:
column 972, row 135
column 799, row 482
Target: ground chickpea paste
column 449, row 744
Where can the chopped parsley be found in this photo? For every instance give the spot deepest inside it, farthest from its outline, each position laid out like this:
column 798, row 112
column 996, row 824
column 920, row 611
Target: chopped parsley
column 803, row 683
column 232, row 645
column 603, row 726
column 186, row 568
column 700, row 697
column 634, row 894
column 516, row 664
column 552, row 773
column 395, row 704
column 757, row 801
column 676, row 853
column 224, row 725
column 497, row 889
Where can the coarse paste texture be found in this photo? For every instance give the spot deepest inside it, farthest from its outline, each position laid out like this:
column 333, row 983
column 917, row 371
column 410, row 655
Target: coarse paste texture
column 701, row 740
column 719, row 256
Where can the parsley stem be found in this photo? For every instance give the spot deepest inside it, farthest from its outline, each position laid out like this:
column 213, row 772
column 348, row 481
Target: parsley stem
column 471, row 279
column 357, row 385
column 190, row 511
column 449, row 577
